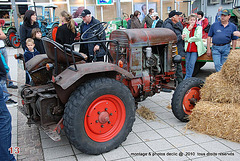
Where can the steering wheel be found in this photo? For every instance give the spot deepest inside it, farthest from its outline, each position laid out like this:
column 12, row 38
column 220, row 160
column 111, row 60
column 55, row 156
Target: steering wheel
column 95, row 33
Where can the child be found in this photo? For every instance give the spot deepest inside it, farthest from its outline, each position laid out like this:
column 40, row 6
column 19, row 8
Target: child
column 36, row 36
column 192, row 35
column 30, row 51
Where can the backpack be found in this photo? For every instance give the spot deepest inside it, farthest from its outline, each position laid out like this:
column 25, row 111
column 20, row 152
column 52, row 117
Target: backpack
column 207, row 28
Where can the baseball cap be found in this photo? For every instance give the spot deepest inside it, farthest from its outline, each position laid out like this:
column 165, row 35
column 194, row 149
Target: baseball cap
column 173, row 13
column 154, row 14
column 85, row 12
column 225, row 12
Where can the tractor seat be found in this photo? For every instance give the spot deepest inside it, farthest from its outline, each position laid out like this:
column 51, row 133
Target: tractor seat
column 61, row 57
column 37, row 62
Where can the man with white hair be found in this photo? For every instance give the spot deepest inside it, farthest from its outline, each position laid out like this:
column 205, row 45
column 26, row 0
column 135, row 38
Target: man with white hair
column 91, row 49
column 173, row 23
column 157, row 22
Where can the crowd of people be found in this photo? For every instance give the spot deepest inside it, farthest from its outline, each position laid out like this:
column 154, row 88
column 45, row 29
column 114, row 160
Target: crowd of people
column 189, row 44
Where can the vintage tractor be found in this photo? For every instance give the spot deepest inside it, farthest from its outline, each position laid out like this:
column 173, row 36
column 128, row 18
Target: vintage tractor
column 95, row 102
column 118, row 23
column 8, row 28
column 48, row 23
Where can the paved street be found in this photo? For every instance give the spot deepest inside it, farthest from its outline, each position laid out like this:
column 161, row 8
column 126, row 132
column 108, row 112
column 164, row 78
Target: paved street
column 163, row 139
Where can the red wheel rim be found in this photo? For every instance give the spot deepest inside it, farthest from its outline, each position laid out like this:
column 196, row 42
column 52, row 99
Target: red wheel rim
column 104, row 118
column 11, row 35
column 192, row 94
column 54, row 32
column 16, row 42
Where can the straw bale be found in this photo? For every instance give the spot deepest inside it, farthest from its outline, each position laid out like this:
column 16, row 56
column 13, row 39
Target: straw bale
column 217, row 89
column 231, row 68
column 169, row 106
column 146, row 113
column 218, row 119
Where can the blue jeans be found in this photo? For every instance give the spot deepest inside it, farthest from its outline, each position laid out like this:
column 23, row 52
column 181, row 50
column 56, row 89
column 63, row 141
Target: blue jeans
column 191, row 58
column 5, row 131
column 3, row 86
column 220, row 54
column 4, row 53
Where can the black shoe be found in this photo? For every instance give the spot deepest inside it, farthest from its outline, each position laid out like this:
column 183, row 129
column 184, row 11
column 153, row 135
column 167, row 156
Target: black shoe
column 13, row 86
column 10, row 101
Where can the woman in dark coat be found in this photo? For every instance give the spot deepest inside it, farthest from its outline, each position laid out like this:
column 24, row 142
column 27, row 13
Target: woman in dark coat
column 135, row 22
column 29, row 22
column 67, row 32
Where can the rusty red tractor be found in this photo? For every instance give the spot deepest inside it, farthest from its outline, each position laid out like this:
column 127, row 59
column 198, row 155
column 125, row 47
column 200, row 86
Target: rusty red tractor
column 95, row 103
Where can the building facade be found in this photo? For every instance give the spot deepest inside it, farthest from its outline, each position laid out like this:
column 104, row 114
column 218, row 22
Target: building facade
column 126, row 7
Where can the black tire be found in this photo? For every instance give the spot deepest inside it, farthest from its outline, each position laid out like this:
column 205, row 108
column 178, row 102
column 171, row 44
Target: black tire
column 15, row 42
column 9, row 35
column 197, row 67
column 50, row 32
column 77, row 112
column 179, row 94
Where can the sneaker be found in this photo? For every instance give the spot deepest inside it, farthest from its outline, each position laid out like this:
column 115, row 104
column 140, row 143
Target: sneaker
column 13, row 86
column 10, row 101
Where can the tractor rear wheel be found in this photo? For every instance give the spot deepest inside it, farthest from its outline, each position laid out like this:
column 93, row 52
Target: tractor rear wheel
column 99, row 115
column 9, row 35
column 53, row 31
column 186, row 95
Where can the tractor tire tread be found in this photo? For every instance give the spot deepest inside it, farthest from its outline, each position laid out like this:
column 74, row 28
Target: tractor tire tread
column 73, row 104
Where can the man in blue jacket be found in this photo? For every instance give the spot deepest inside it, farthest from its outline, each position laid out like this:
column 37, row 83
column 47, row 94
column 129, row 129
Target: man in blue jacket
column 90, row 49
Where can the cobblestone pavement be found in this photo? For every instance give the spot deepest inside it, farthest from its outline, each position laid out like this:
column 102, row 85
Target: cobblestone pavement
column 163, row 139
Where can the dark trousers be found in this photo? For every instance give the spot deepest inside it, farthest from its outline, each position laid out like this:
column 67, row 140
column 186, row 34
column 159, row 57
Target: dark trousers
column 5, row 131
column 179, row 73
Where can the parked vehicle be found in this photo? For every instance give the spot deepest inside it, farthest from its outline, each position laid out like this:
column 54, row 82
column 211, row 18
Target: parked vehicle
column 8, row 28
column 95, row 102
column 117, row 24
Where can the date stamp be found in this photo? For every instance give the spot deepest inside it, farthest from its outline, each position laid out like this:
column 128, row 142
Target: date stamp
column 14, row 150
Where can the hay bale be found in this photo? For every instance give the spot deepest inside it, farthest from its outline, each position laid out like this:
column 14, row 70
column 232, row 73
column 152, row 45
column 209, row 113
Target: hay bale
column 218, row 119
column 231, row 68
column 218, row 89
column 146, row 113
column 169, row 106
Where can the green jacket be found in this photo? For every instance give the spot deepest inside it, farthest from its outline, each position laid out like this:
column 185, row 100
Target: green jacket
column 148, row 21
column 197, row 38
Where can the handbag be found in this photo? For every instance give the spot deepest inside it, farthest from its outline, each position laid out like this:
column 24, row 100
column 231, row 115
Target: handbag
column 207, row 28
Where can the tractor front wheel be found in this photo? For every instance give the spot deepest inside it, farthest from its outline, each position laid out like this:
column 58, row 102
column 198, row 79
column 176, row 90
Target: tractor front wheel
column 99, row 115
column 186, row 95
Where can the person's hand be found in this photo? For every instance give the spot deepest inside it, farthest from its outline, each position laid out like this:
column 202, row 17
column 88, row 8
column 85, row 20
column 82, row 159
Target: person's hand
column 209, row 52
column 236, row 33
column 96, row 47
column 190, row 26
column 84, row 56
column 184, row 36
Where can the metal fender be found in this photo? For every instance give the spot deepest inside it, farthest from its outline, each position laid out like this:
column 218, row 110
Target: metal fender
column 68, row 77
